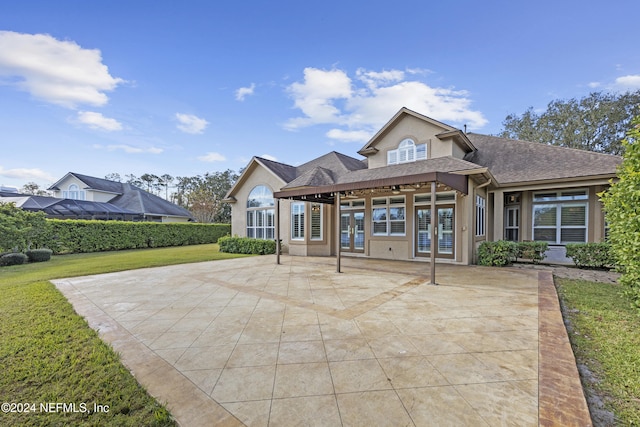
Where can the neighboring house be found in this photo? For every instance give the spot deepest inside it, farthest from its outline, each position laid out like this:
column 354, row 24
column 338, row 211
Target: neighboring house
column 96, row 197
column 485, row 187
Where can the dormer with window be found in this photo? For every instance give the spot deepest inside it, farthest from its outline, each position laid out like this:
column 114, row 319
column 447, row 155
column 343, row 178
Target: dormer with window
column 406, row 152
column 409, row 137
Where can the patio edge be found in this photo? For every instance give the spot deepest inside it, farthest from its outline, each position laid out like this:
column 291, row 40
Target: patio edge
column 561, row 400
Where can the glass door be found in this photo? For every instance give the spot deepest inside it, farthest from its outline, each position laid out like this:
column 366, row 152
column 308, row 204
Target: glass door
column 446, row 231
column 352, row 231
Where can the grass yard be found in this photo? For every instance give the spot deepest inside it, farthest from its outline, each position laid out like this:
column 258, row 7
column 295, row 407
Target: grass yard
column 605, row 335
column 49, row 355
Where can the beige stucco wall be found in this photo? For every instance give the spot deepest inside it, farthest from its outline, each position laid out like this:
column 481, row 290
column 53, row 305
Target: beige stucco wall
column 420, row 131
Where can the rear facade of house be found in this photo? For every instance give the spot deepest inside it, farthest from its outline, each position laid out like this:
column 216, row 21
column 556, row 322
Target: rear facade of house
column 380, row 205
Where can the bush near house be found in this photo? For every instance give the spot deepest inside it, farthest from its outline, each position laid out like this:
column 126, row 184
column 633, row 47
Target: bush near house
column 622, row 208
column 12, row 258
column 532, row 250
column 497, row 254
column 504, row 252
column 245, row 245
column 591, row 255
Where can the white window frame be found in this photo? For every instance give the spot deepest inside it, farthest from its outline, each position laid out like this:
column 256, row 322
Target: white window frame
column 297, row 225
column 385, row 205
column 261, row 219
column 407, row 152
column 563, row 199
column 481, row 215
column 73, row 193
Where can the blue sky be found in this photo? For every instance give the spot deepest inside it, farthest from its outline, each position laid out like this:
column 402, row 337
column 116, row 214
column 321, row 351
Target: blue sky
column 185, row 88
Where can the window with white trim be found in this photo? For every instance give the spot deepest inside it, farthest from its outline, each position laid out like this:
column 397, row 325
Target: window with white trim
column 406, row 152
column 316, row 221
column 261, row 213
column 560, row 217
column 297, row 221
column 74, row 193
column 481, row 208
column 388, row 216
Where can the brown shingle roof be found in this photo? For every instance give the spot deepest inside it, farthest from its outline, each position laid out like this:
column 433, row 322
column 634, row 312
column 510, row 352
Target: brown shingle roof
column 512, row 161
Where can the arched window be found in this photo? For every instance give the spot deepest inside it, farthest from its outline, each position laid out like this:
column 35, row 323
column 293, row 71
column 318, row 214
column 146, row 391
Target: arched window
column 407, row 151
column 261, row 213
column 73, row 192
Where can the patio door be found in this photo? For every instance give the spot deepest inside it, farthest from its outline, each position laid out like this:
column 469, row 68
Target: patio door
column 352, row 231
column 446, row 231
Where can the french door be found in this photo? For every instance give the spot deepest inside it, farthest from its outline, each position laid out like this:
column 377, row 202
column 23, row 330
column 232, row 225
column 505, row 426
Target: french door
column 446, row 231
column 352, row 231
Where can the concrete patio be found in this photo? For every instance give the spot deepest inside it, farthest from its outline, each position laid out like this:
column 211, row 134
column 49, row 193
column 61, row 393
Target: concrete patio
column 249, row 342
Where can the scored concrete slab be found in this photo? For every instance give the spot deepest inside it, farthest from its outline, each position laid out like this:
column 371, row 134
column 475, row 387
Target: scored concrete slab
column 249, row 342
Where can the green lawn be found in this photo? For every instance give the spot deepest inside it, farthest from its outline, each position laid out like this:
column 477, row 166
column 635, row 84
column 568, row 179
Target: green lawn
column 605, row 336
column 49, row 355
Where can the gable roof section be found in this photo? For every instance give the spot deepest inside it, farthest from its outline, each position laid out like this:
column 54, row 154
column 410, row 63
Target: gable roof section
column 321, row 169
column 447, row 131
column 517, row 162
column 93, row 183
column 138, row 200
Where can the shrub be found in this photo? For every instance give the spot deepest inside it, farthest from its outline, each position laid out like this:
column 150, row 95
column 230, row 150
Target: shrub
column 245, row 245
column 14, row 258
column 497, row 254
column 39, row 255
column 74, row 236
column 532, row 250
column 591, row 255
column 621, row 203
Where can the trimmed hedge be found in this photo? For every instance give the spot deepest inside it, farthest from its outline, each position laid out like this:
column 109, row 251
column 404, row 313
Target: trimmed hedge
column 246, row 245
column 15, row 258
column 497, row 254
column 504, row 252
column 73, row 236
column 532, row 250
column 39, row 255
column 591, row 255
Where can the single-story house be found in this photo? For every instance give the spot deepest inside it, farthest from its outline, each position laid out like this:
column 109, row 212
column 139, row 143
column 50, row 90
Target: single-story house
column 96, row 198
column 425, row 188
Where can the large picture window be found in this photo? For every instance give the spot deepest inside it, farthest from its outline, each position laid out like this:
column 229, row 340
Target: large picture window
column 560, row 217
column 74, row 193
column 388, row 216
column 261, row 213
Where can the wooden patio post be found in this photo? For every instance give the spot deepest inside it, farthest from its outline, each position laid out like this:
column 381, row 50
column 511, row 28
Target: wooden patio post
column 337, row 225
column 434, row 233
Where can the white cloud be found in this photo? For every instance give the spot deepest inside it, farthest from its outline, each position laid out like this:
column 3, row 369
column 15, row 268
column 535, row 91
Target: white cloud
column 26, row 174
column 363, row 104
column 129, row 149
column 594, row 85
column 269, row 157
column 316, row 97
column 212, row 157
column 59, row 72
column 629, row 82
column 98, row 121
column 243, row 92
column 191, row 124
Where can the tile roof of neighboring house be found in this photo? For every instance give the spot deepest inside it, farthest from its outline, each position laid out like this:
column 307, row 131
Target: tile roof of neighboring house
column 136, row 199
column 513, row 161
column 130, row 197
